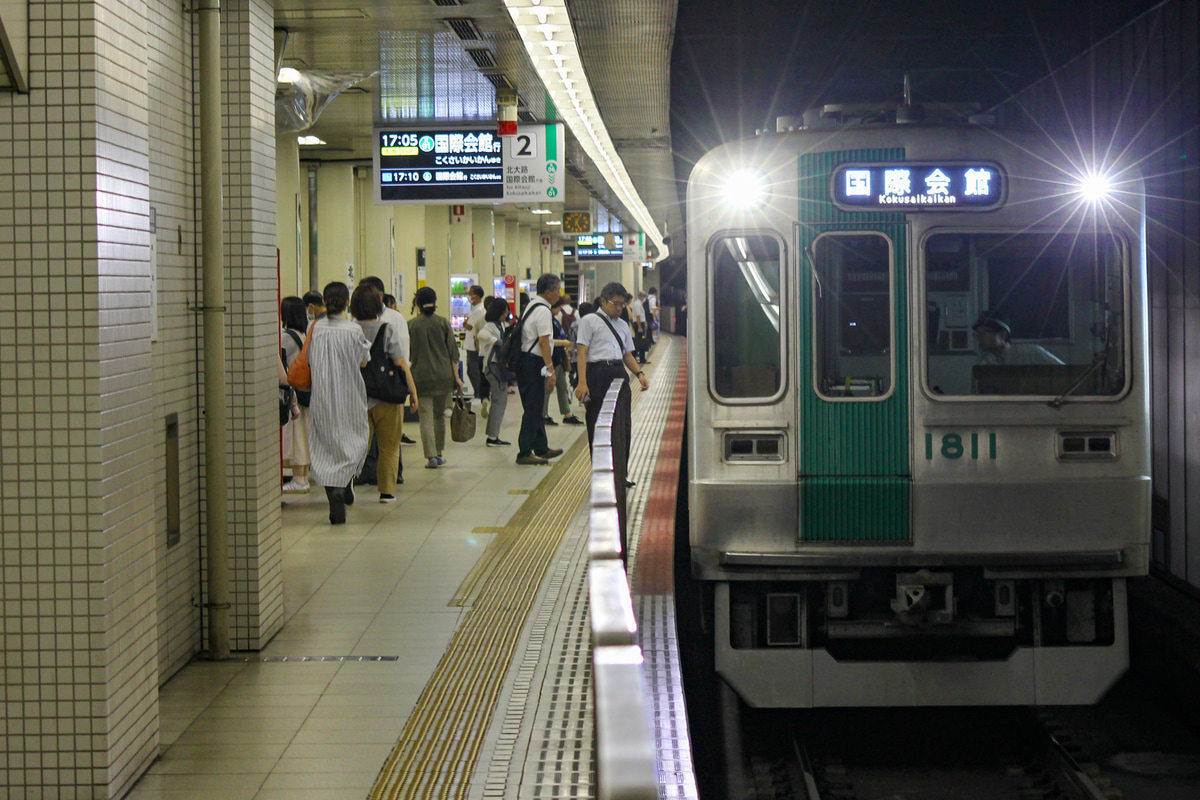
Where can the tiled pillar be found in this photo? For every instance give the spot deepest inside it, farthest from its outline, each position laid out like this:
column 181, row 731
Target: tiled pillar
column 252, row 324
column 77, row 514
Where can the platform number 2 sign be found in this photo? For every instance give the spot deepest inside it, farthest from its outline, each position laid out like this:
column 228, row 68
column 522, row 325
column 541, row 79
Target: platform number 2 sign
column 524, row 146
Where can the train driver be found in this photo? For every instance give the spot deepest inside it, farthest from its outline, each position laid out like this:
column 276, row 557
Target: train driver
column 993, row 335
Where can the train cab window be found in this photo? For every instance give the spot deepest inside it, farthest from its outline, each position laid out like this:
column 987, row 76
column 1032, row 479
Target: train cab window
column 852, row 316
column 1032, row 314
column 746, row 338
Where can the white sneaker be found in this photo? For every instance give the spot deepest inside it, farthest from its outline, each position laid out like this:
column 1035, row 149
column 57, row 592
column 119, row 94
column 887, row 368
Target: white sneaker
column 291, row 487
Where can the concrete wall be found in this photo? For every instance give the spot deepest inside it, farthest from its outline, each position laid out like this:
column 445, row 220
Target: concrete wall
column 100, row 602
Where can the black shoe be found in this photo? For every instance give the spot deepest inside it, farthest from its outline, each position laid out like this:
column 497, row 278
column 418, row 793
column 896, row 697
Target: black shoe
column 571, row 419
column 531, row 460
column 364, row 482
column 498, row 442
column 630, row 484
column 553, row 452
column 337, row 506
column 550, row 421
column 348, row 494
column 405, row 440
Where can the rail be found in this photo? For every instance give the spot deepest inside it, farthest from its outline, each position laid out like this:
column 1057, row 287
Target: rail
column 626, row 764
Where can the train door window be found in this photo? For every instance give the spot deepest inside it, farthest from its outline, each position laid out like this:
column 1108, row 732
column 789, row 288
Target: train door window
column 1033, row 314
column 747, row 340
column 852, row 316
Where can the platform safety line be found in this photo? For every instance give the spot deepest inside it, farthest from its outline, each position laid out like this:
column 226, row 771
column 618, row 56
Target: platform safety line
column 437, row 750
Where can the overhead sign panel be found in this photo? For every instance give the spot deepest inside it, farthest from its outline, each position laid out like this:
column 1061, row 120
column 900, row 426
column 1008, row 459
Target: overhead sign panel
column 918, row 186
column 533, row 163
column 469, row 165
column 598, row 247
column 422, row 166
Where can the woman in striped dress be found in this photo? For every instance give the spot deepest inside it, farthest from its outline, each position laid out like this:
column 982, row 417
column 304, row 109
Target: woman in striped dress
column 338, row 434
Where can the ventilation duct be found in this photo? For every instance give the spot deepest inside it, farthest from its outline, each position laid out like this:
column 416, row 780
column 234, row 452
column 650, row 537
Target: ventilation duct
column 482, row 57
column 464, row 28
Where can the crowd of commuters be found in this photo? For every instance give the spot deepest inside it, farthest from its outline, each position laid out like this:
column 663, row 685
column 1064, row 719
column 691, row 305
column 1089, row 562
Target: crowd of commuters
column 335, row 426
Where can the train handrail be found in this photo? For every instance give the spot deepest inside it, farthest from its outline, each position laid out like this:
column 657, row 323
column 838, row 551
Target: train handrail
column 626, row 755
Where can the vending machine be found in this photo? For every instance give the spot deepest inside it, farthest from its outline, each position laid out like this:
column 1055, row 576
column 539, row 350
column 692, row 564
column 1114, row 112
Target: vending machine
column 460, row 303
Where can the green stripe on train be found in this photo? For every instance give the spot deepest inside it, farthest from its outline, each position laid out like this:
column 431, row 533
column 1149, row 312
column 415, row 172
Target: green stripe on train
column 854, row 456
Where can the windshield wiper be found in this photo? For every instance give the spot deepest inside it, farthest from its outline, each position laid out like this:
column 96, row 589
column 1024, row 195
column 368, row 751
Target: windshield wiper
column 1100, row 360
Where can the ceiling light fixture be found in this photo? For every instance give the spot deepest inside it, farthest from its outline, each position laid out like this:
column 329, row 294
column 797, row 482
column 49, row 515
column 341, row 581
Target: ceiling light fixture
column 574, row 99
column 310, row 140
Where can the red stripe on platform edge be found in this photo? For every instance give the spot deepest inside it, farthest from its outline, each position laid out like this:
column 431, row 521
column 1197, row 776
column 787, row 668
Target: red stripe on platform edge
column 654, row 573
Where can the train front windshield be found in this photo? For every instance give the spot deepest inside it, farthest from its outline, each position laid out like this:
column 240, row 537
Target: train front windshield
column 1029, row 314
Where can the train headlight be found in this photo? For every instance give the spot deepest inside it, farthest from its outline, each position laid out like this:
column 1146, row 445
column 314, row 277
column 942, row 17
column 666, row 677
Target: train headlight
column 1095, row 187
column 745, row 189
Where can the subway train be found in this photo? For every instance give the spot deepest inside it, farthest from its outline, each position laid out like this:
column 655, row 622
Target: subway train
column 918, row 448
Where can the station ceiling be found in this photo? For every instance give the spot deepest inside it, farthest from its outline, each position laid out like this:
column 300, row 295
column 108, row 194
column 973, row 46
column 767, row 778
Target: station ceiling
column 443, row 60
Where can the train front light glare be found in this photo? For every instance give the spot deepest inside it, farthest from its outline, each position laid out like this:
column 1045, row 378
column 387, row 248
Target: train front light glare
column 745, row 189
column 1095, row 187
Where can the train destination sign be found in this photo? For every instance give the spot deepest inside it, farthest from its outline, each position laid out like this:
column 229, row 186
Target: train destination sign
column 421, row 166
column 914, row 186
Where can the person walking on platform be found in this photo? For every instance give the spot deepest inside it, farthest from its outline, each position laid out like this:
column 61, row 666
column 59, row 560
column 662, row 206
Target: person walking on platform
column 535, row 373
column 489, row 335
column 339, row 434
column 605, row 346
column 435, row 372
column 386, row 420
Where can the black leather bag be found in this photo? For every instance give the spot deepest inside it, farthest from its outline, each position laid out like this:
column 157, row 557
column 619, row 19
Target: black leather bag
column 384, row 380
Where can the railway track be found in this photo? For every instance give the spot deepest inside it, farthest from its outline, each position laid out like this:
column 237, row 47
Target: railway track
column 926, row 754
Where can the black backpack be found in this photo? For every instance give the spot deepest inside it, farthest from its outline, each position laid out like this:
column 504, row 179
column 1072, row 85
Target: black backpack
column 510, row 346
column 495, row 360
column 383, row 379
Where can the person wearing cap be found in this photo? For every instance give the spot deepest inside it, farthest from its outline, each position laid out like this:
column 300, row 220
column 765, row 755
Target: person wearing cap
column 995, row 345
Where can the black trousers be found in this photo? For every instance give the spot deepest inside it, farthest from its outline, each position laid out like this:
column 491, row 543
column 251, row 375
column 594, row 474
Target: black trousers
column 532, row 386
column 599, row 378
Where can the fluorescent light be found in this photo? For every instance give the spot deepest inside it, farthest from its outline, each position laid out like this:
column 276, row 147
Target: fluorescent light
column 554, row 222
column 309, row 140
column 574, row 100
column 288, row 75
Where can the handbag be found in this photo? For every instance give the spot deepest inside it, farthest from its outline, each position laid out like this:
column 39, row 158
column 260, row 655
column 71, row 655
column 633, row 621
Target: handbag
column 299, row 375
column 462, row 419
column 285, row 405
column 383, row 379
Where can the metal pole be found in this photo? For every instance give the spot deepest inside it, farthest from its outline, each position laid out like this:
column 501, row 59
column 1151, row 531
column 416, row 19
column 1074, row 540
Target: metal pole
column 314, row 282
column 213, row 268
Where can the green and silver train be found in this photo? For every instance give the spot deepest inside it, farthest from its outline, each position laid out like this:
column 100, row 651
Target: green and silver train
column 919, row 459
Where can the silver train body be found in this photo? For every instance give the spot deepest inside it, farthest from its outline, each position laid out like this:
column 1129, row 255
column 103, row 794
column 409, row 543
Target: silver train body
column 896, row 504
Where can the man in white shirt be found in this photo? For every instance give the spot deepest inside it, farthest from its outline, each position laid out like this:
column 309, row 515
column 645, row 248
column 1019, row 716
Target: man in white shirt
column 535, row 374
column 471, row 326
column 605, row 350
column 995, row 347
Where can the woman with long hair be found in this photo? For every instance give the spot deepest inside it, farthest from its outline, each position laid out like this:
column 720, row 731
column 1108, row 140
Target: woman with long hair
column 488, row 336
column 434, row 361
column 339, row 434
column 294, row 318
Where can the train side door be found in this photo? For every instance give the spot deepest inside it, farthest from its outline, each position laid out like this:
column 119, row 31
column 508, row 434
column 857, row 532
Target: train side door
column 853, row 386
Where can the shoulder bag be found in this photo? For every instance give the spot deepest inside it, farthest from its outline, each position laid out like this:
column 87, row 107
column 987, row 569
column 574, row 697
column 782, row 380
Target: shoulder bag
column 299, row 375
column 462, row 419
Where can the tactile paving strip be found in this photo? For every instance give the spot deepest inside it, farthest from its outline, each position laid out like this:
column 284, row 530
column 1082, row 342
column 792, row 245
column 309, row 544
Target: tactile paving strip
column 440, row 745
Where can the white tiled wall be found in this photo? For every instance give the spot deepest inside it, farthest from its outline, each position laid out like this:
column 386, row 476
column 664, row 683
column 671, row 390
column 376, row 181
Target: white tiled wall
column 97, row 611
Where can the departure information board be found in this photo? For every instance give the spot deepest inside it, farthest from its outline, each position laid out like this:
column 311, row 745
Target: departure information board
column 598, row 247
column 919, row 186
column 432, row 165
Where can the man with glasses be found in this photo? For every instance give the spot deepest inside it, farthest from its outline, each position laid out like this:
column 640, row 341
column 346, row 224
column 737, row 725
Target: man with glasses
column 604, row 347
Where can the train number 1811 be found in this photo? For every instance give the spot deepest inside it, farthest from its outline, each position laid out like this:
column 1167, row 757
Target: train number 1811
column 960, row 445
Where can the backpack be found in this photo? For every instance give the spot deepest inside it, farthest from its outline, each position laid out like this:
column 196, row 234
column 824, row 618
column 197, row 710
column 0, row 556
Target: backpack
column 383, row 380
column 495, row 361
column 510, row 346
column 301, row 397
